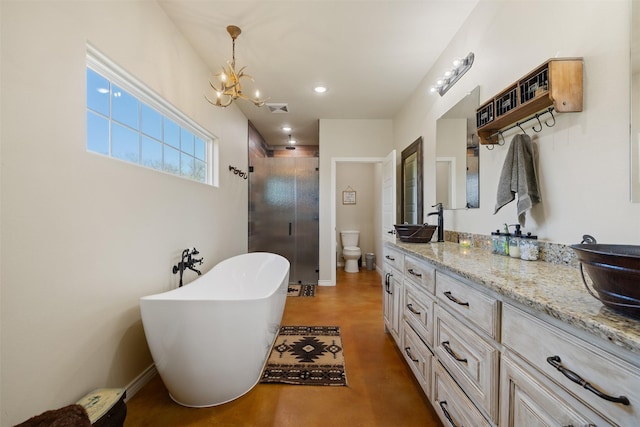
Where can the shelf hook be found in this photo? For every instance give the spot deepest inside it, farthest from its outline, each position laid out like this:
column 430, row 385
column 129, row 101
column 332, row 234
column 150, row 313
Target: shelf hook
column 553, row 117
column 539, row 122
column 518, row 124
column 501, row 135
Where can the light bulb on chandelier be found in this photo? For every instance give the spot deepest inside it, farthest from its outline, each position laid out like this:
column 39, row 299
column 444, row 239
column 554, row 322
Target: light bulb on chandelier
column 229, row 86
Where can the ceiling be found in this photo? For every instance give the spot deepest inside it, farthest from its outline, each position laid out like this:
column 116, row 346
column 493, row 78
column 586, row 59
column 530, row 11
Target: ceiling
column 371, row 55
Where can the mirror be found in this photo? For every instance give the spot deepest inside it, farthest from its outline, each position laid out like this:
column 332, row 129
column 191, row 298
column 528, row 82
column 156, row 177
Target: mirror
column 457, row 155
column 635, row 102
column 411, row 183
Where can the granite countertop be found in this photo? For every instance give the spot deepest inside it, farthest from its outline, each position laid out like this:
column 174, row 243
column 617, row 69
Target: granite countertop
column 556, row 290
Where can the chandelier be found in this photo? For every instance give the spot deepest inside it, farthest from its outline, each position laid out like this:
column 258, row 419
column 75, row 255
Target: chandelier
column 228, row 87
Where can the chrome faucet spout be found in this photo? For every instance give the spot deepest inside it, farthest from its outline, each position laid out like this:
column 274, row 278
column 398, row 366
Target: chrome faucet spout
column 439, row 212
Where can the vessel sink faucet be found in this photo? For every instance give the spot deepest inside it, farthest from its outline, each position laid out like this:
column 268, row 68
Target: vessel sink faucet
column 187, row 262
column 440, row 220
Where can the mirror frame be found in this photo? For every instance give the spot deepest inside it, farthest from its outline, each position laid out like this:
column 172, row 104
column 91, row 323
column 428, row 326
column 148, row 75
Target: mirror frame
column 634, row 103
column 467, row 105
column 415, row 147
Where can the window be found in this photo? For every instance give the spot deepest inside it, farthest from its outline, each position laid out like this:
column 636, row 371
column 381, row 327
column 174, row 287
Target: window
column 127, row 121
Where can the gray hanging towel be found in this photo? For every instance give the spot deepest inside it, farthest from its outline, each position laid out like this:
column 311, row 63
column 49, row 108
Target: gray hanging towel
column 519, row 176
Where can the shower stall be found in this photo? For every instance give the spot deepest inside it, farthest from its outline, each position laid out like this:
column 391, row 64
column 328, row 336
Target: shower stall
column 284, row 211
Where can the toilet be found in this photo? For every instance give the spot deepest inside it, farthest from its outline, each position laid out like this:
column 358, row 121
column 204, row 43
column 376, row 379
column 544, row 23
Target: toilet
column 350, row 250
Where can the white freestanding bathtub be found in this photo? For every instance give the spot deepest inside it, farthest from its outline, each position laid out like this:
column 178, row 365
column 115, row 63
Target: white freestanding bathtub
column 210, row 339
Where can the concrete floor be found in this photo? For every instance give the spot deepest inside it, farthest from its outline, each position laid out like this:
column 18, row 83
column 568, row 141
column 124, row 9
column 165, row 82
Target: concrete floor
column 381, row 390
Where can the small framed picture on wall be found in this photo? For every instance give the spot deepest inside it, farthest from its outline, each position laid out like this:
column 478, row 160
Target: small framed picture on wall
column 349, row 197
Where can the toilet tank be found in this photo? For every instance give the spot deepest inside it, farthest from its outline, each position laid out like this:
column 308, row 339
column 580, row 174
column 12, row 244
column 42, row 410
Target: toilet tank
column 349, row 237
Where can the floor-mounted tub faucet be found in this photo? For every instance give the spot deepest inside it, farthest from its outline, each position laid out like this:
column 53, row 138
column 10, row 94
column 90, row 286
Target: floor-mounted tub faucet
column 187, row 262
column 440, row 221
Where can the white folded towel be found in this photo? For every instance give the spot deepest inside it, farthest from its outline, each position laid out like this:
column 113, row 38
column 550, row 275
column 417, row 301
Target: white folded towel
column 519, row 176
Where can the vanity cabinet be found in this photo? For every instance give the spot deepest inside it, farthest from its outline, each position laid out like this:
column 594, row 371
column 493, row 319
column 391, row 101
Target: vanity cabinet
column 392, row 290
column 484, row 359
column 417, row 313
column 465, row 329
column 569, row 363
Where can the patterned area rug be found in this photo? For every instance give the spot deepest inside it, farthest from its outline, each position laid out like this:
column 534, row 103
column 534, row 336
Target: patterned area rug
column 301, row 291
column 306, row 355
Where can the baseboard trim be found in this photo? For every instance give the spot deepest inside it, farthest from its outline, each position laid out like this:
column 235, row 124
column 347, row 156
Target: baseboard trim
column 325, row 283
column 140, row 381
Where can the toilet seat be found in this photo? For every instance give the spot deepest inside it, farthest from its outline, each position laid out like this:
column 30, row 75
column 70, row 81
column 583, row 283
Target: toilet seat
column 351, row 251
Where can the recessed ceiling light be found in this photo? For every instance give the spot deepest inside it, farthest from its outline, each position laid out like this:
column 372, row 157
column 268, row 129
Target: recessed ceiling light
column 319, row 89
column 286, row 128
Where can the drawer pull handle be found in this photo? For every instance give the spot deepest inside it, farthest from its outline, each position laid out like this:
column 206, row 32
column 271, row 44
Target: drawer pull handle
column 443, row 406
column 412, row 271
column 556, row 362
column 413, row 310
column 453, row 354
column 389, row 257
column 408, row 351
column 454, row 299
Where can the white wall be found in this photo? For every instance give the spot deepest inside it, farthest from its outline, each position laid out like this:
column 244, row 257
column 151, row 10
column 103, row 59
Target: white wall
column 84, row 236
column 584, row 160
column 344, row 139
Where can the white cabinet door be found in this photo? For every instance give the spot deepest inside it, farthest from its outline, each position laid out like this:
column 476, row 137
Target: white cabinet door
column 392, row 300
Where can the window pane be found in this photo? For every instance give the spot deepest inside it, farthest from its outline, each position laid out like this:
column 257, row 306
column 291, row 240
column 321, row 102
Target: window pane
column 124, row 108
column 186, row 141
column 171, row 133
column 134, row 127
column 124, row 144
column 97, row 93
column 186, row 165
column 200, row 171
column 200, row 149
column 97, row 133
column 151, row 153
column 151, row 122
column 171, row 160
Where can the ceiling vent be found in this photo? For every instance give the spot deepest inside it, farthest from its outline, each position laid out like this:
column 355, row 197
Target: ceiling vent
column 277, row 108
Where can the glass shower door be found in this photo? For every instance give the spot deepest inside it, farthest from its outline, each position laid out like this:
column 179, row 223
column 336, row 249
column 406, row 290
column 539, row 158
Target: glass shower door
column 283, row 213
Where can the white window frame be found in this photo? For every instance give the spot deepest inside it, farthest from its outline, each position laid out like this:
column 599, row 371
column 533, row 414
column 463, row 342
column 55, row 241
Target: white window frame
column 108, row 69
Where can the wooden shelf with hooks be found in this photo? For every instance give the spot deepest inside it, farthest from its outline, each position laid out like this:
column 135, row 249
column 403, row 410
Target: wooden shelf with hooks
column 557, row 83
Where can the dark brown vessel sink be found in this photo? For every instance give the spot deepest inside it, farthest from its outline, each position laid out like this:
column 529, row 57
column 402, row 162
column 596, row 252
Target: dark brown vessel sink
column 615, row 273
column 415, row 233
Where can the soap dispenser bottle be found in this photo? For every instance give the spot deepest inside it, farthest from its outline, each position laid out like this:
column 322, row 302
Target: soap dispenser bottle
column 514, row 242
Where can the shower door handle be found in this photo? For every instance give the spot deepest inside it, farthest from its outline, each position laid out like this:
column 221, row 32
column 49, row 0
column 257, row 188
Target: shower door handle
column 290, row 224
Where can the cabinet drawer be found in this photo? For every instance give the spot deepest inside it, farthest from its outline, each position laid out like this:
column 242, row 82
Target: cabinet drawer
column 471, row 360
column 418, row 357
column 548, row 348
column 529, row 399
column 451, row 404
column 393, row 258
column 418, row 312
column 480, row 309
column 420, row 273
